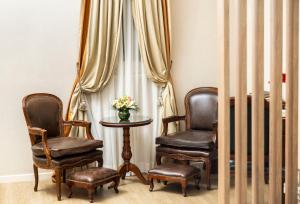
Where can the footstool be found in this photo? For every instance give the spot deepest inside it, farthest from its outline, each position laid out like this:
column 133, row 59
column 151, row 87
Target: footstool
column 175, row 173
column 91, row 178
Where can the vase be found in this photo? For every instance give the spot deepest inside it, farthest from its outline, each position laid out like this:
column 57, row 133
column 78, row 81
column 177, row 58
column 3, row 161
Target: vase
column 124, row 114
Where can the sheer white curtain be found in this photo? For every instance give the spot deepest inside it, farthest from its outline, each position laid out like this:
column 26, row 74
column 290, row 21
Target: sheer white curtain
column 129, row 79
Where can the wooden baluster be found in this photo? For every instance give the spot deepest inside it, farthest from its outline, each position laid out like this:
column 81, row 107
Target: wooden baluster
column 240, row 68
column 275, row 192
column 258, row 103
column 291, row 136
column 223, row 110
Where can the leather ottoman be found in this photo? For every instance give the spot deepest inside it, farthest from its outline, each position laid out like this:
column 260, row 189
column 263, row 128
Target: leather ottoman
column 91, row 178
column 175, row 173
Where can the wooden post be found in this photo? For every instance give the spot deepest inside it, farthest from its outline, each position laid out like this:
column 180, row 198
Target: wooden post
column 275, row 192
column 258, row 103
column 291, row 136
column 240, row 67
column 223, row 110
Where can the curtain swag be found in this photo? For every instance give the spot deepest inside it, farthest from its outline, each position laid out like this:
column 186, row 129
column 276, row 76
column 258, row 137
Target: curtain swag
column 152, row 22
column 99, row 47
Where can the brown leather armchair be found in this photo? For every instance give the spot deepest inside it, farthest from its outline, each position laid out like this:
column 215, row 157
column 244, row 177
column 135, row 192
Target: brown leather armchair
column 198, row 142
column 51, row 149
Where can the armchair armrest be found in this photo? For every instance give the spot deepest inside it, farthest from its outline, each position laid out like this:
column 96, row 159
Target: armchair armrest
column 81, row 123
column 39, row 132
column 170, row 119
column 215, row 129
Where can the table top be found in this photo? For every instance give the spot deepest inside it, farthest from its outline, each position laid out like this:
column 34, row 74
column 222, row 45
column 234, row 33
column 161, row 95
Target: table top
column 133, row 121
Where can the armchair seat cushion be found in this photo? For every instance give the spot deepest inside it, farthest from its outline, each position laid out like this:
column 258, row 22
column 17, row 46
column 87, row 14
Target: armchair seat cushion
column 177, row 170
column 196, row 139
column 71, row 161
column 66, row 146
column 189, row 153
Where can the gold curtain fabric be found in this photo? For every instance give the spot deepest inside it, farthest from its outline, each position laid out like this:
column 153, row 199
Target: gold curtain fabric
column 152, row 22
column 99, row 48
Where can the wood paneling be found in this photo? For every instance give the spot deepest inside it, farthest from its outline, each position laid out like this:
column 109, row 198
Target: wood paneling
column 240, row 68
column 291, row 136
column 275, row 192
column 258, row 103
column 223, row 111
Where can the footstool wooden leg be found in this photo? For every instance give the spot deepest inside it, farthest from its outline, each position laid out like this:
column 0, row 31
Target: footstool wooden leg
column 197, row 181
column 151, row 184
column 184, row 186
column 70, row 190
column 165, row 182
column 91, row 194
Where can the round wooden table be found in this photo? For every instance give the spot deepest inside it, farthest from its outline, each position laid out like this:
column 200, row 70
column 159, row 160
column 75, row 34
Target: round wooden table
column 134, row 121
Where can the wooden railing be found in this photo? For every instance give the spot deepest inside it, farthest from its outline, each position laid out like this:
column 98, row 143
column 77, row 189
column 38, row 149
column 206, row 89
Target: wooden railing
column 276, row 194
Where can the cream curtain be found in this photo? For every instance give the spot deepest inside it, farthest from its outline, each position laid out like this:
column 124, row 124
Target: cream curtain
column 129, row 78
column 152, row 21
column 99, row 50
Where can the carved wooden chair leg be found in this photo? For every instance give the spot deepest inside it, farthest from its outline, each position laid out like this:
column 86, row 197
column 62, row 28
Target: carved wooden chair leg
column 100, row 162
column 91, row 194
column 116, row 185
column 58, row 183
column 207, row 172
column 158, row 159
column 184, row 186
column 36, row 177
column 151, row 184
column 64, row 173
column 197, row 181
column 158, row 162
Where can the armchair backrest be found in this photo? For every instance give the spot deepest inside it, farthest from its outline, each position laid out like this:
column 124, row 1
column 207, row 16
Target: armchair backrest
column 44, row 111
column 249, row 126
column 201, row 106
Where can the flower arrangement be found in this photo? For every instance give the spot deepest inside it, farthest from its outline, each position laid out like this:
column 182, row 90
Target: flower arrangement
column 124, row 104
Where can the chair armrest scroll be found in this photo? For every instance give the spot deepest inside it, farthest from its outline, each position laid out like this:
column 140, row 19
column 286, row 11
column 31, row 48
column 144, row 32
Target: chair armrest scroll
column 170, row 119
column 80, row 123
column 39, row 132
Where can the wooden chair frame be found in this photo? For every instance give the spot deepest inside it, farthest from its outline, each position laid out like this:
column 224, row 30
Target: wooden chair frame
column 183, row 157
column 36, row 132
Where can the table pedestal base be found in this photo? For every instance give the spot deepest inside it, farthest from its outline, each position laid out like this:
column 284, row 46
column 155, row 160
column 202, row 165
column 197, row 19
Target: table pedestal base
column 124, row 168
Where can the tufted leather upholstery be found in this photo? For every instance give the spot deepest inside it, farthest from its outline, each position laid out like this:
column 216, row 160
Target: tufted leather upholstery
column 66, row 146
column 197, row 139
column 45, row 111
column 44, row 119
column 178, row 170
column 202, row 108
column 94, row 174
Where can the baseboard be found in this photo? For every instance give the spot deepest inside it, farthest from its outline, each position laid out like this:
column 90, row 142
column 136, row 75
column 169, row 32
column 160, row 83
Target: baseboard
column 24, row 177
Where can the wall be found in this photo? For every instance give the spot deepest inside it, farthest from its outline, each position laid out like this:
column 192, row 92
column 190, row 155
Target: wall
column 38, row 51
column 194, row 48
